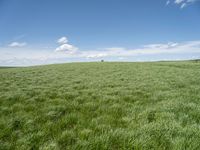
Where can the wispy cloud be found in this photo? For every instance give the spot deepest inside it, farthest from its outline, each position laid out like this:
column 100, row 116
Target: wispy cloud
column 17, row 44
column 178, row 1
column 19, row 37
column 167, row 2
column 181, row 3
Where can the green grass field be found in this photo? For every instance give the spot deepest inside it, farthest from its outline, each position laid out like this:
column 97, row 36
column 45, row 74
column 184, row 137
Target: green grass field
column 101, row 106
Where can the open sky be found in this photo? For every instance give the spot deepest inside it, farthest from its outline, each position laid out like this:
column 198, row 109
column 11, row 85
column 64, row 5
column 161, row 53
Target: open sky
column 34, row 32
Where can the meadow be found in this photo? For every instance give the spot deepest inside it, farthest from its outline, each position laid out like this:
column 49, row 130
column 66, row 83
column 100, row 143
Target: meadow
column 101, row 106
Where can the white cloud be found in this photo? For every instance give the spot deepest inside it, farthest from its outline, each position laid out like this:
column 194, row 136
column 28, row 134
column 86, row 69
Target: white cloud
column 98, row 55
column 150, row 52
column 151, row 49
column 65, row 46
column 62, row 40
column 115, row 48
column 162, row 46
column 182, row 3
column 17, row 44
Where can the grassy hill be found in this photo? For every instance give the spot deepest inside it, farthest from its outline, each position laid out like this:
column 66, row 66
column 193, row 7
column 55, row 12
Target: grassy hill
column 101, row 106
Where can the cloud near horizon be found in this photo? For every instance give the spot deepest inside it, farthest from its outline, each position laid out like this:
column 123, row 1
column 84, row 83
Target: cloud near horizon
column 17, row 44
column 65, row 46
column 190, row 50
column 151, row 49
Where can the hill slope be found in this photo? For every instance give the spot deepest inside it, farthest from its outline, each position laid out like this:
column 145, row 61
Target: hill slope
column 101, row 106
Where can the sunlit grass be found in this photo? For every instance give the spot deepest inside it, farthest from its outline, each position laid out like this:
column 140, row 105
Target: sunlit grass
column 101, row 106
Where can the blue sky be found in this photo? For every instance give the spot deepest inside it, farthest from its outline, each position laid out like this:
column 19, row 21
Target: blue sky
column 36, row 32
